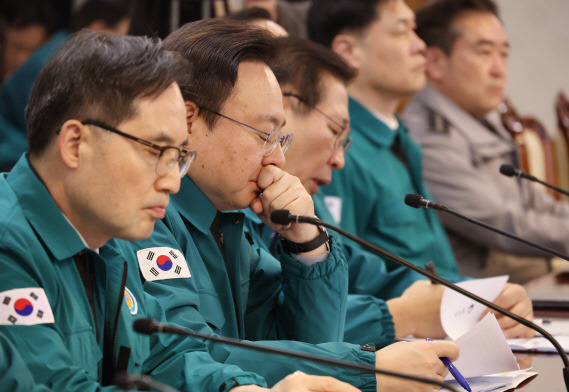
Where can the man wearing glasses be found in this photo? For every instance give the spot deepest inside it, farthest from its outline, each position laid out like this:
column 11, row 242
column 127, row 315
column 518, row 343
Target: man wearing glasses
column 233, row 288
column 314, row 80
column 107, row 138
column 107, row 146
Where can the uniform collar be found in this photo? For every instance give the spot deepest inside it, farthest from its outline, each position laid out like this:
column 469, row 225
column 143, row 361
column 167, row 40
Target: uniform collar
column 370, row 127
column 42, row 212
column 471, row 127
column 194, row 205
column 251, row 216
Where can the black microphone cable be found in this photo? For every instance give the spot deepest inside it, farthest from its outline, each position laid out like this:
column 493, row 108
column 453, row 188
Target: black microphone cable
column 511, row 171
column 148, row 326
column 418, row 201
column 280, row 216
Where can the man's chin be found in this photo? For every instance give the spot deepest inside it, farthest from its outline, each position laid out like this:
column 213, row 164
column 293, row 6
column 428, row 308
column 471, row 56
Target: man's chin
column 311, row 187
column 141, row 232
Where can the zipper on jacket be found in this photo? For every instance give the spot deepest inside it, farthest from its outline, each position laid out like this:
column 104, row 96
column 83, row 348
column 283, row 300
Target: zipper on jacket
column 109, row 358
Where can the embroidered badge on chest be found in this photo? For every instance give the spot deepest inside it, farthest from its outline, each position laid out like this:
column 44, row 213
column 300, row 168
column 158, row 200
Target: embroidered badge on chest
column 28, row 306
column 162, row 263
column 130, row 301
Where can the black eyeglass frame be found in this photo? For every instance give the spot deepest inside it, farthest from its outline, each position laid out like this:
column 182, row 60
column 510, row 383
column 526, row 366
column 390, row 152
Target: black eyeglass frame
column 185, row 157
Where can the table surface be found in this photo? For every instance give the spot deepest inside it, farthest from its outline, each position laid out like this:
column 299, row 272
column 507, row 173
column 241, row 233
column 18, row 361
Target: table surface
column 549, row 366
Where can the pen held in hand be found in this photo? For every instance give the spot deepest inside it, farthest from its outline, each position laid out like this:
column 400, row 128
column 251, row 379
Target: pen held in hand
column 454, row 372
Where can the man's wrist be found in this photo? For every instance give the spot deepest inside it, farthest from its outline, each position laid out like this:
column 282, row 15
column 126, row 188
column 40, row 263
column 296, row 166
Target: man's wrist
column 298, row 248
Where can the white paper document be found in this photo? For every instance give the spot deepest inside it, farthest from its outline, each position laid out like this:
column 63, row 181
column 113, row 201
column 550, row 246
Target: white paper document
column 484, row 350
column 496, row 382
column 539, row 344
column 559, row 328
column 460, row 313
column 486, row 360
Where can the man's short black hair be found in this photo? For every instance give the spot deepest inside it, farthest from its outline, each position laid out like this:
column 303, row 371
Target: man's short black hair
column 328, row 18
column 301, row 64
column 97, row 75
column 436, row 20
column 214, row 49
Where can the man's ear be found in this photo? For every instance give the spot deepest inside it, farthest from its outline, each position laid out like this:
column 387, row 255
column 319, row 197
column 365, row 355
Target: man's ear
column 437, row 61
column 69, row 139
column 192, row 112
column 346, row 46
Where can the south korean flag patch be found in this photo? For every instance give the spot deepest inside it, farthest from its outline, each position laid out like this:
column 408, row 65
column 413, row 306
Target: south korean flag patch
column 27, row 306
column 162, row 263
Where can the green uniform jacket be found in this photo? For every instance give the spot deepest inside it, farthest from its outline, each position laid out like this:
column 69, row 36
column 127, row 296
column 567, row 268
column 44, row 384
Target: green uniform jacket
column 245, row 293
column 368, row 320
column 14, row 374
column 14, row 96
column 37, row 245
column 368, row 196
column 368, row 273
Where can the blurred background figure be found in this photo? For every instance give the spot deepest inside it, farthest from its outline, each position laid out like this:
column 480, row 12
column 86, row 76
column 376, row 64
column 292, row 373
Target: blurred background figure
column 102, row 15
column 98, row 15
column 160, row 17
column 26, row 25
column 262, row 18
column 290, row 15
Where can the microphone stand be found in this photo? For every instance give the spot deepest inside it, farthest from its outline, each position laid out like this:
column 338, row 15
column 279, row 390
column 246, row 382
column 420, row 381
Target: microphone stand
column 148, row 326
column 509, row 170
column 438, row 207
column 384, row 253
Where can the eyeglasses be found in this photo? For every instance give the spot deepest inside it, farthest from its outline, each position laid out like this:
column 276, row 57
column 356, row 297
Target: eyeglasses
column 273, row 138
column 343, row 140
column 169, row 155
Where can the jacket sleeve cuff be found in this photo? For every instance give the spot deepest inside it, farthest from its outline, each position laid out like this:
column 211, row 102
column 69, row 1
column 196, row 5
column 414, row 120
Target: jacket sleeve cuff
column 368, row 381
column 317, row 270
column 368, row 321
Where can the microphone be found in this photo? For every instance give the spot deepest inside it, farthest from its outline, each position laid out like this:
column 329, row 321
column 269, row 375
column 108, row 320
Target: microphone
column 510, row 171
column 433, row 277
column 148, row 326
column 417, row 201
column 412, row 201
column 131, row 382
column 284, row 217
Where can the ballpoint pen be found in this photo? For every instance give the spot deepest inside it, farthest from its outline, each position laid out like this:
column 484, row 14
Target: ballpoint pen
column 455, row 373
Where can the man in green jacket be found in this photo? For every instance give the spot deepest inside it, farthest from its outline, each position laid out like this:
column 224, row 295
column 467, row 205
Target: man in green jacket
column 106, row 149
column 15, row 90
column 377, row 38
column 229, row 286
column 313, row 80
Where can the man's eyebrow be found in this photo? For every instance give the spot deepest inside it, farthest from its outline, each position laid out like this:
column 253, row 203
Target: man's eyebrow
column 487, row 42
column 406, row 22
column 274, row 120
column 166, row 138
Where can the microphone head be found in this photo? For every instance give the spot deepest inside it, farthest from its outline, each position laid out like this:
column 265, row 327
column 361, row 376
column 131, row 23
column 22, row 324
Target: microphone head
column 145, row 326
column 280, row 217
column 508, row 170
column 414, row 200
